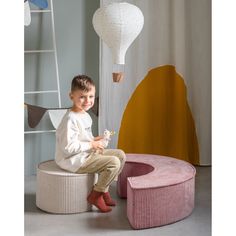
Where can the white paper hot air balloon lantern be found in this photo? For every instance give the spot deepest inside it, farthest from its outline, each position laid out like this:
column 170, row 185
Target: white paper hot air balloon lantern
column 118, row 24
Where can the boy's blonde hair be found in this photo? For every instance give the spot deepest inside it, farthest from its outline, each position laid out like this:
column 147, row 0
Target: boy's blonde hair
column 82, row 82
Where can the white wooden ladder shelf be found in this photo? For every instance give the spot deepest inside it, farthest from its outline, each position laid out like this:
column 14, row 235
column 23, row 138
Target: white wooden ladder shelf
column 54, row 51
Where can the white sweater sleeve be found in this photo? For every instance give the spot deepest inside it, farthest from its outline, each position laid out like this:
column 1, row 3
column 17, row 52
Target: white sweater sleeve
column 70, row 142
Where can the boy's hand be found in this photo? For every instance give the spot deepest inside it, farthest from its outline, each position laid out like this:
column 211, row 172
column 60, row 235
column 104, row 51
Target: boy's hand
column 98, row 138
column 97, row 145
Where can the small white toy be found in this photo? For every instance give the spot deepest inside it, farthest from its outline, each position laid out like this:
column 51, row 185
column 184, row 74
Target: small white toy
column 105, row 140
column 107, row 137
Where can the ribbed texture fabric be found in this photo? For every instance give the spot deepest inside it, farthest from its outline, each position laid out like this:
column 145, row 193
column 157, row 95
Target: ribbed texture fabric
column 155, row 207
column 131, row 169
column 163, row 195
column 62, row 192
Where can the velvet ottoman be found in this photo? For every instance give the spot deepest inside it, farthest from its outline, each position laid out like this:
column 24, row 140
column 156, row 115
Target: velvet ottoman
column 62, row 192
column 159, row 189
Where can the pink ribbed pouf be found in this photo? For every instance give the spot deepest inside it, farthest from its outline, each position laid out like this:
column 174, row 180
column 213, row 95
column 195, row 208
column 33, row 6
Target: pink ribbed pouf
column 159, row 189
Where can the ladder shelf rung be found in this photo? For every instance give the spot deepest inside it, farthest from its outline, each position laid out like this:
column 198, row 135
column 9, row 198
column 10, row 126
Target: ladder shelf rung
column 46, row 91
column 39, row 51
column 40, row 131
column 37, row 11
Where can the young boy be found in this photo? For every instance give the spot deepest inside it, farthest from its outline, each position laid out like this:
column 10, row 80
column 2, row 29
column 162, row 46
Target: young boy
column 78, row 151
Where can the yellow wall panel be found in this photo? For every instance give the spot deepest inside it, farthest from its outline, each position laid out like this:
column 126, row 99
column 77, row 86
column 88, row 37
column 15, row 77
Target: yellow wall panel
column 158, row 120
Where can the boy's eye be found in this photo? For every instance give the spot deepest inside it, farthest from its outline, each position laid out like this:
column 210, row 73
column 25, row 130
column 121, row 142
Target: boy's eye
column 91, row 96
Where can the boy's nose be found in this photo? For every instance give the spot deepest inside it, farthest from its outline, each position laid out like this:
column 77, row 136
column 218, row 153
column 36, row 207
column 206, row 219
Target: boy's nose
column 87, row 99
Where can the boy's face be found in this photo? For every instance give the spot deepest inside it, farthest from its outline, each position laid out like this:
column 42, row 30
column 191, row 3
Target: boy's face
column 82, row 101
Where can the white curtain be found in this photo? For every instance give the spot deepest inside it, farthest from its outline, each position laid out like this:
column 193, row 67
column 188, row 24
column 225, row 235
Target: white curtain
column 177, row 33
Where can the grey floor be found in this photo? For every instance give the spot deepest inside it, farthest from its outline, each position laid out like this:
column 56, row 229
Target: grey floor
column 40, row 223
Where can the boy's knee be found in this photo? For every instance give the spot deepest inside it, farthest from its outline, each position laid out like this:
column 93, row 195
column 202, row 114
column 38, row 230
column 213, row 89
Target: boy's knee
column 115, row 162
column 122, row 155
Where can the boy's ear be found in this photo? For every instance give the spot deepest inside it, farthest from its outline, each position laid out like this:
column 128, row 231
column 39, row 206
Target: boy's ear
column 71, row 95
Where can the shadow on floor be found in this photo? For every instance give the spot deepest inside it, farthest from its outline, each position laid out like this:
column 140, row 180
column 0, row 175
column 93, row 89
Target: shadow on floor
column 107, row 221
column 30, row 203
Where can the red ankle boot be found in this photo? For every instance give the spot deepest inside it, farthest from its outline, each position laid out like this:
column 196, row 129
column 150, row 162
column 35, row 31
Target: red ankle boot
column 96, row 198
column 108, row 200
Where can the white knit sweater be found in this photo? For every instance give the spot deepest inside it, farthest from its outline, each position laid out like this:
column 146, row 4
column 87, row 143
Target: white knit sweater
column 73, row 137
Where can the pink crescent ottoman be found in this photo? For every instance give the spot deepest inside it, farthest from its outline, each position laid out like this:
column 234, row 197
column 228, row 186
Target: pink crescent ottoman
column 159, row 189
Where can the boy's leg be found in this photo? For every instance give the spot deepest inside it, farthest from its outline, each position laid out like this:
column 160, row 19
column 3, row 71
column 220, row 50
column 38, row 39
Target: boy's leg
column 118, row 153
column 107, row 168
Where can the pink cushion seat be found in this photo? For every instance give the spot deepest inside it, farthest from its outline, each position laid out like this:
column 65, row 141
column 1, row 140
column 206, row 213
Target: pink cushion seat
column 159, row 189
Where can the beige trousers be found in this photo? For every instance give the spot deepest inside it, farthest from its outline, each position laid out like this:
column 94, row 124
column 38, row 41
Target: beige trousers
column 108, row 165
